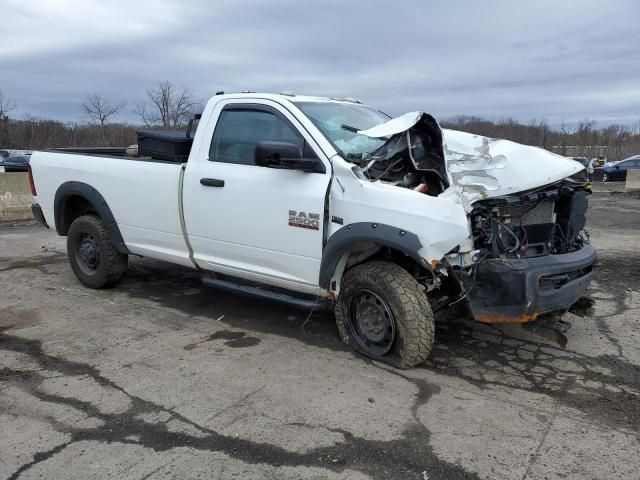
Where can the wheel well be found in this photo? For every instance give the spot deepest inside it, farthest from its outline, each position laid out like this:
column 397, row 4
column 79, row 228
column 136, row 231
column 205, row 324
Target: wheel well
column 74, row 206
column 74, row 199
column 364, row 233
column 365, row 251
column 360, row 252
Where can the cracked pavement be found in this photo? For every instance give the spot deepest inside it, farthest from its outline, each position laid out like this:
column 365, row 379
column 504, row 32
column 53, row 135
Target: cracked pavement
column 163, row 378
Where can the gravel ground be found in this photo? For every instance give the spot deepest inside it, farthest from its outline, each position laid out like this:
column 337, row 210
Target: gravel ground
column 161, row 378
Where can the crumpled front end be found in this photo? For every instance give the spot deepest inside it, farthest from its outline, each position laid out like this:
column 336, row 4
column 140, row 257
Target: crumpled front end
column 530, row 257
column 526, row 256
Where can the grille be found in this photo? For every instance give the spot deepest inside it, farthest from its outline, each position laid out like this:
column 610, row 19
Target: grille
column 528, row 213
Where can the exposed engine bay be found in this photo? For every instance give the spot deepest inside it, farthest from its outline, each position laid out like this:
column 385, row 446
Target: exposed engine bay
column 531, row 224
column 530, row 255
column 413, row 158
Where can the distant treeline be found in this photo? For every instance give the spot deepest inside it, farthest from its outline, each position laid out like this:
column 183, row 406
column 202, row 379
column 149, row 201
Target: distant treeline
column 41, row 134
column 165, row 106
column 615, row 142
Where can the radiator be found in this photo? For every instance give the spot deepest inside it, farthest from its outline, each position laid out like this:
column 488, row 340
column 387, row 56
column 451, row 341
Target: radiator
column 528, row 213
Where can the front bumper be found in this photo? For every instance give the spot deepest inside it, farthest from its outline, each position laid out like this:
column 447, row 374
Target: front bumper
column 521, row 290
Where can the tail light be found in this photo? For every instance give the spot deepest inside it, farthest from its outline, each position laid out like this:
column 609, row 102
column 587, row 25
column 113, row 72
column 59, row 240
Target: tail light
column 31, row 184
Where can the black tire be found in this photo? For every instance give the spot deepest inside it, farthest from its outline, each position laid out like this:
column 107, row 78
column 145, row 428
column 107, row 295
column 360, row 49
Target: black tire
column 397, row 298
column 605, row 178
column 92, row 254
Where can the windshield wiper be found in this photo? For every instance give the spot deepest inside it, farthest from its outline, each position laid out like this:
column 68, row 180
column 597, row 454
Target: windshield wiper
column 349, row 128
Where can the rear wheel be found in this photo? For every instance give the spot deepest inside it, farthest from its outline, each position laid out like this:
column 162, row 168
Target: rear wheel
column 383, row 313
column 605, row 177
column 92, row 254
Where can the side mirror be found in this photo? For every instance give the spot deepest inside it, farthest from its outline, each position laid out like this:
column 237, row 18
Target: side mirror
column 285, row 155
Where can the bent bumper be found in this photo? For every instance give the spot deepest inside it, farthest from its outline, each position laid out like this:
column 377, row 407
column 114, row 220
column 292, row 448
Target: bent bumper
column 520, row 290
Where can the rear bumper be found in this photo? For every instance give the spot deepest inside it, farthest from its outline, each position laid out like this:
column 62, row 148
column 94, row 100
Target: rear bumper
column 38, row 215
column 521, row 290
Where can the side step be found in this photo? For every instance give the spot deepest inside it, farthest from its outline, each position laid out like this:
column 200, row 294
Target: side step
column 299, row 302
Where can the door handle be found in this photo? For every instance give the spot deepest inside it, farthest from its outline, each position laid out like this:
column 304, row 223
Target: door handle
column 211, row 182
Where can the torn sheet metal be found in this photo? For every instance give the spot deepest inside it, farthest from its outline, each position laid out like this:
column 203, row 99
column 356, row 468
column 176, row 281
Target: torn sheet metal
column 395, row 125
column 413, row 152
column 480, row 167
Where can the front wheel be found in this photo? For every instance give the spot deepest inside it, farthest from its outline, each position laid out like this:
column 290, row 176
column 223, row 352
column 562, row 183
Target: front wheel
column 383, row 313
column 92, row 254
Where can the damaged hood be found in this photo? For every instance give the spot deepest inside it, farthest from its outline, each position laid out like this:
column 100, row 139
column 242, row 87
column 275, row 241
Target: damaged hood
column 481, row 167
column 395, row 125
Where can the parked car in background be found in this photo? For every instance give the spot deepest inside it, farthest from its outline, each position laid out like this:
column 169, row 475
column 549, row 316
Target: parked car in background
column 617, row 171
column 16, row 163
column 8, row 152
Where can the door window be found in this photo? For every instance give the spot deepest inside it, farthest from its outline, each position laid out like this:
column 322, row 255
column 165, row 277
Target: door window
column 238, row 131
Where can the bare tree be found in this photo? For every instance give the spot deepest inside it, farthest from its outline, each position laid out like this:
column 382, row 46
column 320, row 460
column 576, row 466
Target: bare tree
column 585, row 133
column 6, row 105
column 99, row 109
column 567, row 133
column 166, row 106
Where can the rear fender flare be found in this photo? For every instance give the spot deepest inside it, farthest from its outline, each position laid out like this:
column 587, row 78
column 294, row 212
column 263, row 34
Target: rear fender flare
column 70, row 189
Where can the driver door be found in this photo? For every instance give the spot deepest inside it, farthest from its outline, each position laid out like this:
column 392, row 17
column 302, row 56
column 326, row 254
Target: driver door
column 251, row 221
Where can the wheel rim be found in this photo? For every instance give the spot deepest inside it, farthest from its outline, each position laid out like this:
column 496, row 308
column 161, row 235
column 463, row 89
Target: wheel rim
column 605, row 177
column 371, row 322
column 87, row 254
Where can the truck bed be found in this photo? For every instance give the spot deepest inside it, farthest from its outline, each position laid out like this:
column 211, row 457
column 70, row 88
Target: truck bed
column 143, row 196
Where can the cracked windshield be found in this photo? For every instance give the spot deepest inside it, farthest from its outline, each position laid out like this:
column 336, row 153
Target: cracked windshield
column 340, row 123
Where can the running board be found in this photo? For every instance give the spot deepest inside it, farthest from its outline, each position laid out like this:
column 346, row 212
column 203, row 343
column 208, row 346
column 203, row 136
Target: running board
column 228, row 286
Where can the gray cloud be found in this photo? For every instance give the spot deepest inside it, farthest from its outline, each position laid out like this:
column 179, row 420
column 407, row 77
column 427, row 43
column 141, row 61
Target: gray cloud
column 555, row 60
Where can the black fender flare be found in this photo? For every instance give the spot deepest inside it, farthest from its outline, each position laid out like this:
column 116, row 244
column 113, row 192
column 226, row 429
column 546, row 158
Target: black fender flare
column 378, row 233
column 96, row 200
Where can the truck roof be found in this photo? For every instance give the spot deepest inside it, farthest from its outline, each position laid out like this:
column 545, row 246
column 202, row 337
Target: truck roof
column 291, row 97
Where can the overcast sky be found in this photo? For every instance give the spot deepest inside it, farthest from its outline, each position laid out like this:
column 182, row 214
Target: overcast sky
column 557, row 60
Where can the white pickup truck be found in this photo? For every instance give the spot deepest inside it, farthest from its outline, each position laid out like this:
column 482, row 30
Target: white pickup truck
column 308, row 199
